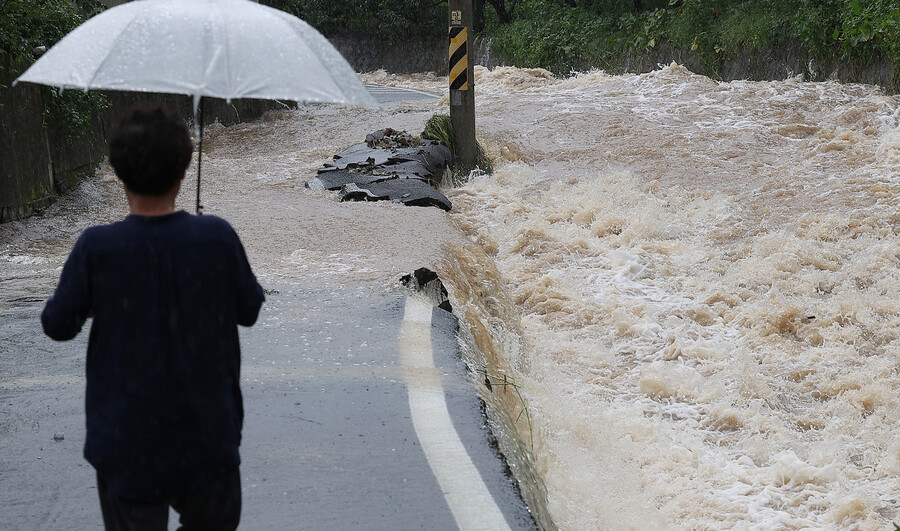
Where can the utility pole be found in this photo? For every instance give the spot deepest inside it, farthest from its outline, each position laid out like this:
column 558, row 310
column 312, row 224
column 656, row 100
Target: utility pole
column 462, row 82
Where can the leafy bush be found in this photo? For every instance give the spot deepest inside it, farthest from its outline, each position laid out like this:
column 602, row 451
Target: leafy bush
column 26, row 25
column 392, row 20
column 553, row 36
column 27, row 28
column 566, row 35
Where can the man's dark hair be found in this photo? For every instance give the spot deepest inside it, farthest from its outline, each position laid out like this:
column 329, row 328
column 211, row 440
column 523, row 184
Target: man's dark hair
column 150, row 149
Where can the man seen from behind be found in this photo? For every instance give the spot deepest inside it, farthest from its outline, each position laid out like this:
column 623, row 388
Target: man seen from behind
column 166, row 291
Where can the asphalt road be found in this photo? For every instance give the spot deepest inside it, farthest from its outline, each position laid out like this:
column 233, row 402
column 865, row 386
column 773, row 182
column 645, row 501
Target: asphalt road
column 330, row 436
column 331, row 440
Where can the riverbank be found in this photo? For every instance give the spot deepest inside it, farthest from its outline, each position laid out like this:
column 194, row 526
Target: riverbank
column 840, row 39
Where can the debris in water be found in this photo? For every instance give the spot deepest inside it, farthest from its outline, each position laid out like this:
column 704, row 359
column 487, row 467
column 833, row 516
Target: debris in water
column 391, row 138
column 427, row 281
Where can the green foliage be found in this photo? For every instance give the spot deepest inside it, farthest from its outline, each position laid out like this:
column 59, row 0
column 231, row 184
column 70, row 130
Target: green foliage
column 855, row 30
column 392, row 20
column 71, row 111
column 642, row 29
column 26, row 26
column 566, row 35
column 717, row 30
column 439, row 127
column 553, row 36
column 862, row 28
column 505, row 9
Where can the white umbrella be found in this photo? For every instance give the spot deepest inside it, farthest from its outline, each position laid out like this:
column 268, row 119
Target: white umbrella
column 225, row 49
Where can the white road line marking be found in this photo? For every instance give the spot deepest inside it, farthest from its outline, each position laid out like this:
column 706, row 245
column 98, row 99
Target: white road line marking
column 471, row 503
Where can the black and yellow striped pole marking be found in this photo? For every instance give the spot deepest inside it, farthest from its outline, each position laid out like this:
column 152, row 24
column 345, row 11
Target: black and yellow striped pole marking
column 459, row 59
column 462, row 84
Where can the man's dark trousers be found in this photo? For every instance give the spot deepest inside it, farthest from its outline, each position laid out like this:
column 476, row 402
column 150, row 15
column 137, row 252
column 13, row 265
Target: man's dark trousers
column 215, row 509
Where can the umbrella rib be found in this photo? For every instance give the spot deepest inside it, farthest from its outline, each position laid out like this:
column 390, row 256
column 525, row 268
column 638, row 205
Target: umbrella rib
column 109, row 55
column 227, row 37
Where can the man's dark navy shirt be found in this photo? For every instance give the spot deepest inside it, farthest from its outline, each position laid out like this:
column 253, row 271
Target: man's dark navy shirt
column 163, row 402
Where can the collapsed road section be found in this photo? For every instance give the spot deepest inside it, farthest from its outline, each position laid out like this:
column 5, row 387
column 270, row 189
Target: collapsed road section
column 389, row 166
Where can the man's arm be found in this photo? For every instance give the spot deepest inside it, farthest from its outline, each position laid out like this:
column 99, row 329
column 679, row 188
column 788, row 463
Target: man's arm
column 249, row 293
column 68, row 308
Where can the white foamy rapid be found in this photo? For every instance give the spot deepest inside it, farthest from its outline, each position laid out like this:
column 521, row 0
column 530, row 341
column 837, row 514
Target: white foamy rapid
column 708, row 277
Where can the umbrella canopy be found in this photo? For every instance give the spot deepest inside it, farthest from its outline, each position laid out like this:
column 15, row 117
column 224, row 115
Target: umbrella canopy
column 225, row 49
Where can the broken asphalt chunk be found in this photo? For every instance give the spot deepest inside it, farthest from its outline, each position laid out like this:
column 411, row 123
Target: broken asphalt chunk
column 407, row 191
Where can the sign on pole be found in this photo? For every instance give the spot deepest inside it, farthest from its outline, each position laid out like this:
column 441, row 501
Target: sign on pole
column 462, row 83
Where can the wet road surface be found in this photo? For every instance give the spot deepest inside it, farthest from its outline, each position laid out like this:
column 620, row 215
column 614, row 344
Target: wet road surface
column 330, row 442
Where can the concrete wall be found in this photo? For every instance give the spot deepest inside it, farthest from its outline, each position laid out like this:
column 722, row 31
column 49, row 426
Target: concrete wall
column 26, row 173
column 786, row 60
column 366, row 54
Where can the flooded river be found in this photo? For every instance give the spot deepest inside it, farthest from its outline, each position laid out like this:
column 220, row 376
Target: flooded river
column 694, row 283
column 707, row 275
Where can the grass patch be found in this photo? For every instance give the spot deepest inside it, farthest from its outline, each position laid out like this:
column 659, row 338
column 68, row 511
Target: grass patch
column 439, row 128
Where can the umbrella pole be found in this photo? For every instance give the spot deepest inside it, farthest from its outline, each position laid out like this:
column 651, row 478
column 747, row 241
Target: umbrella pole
column 199, row 155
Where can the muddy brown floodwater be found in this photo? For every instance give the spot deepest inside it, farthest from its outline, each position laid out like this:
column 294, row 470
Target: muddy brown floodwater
column 707, row 278
column 694, row 283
